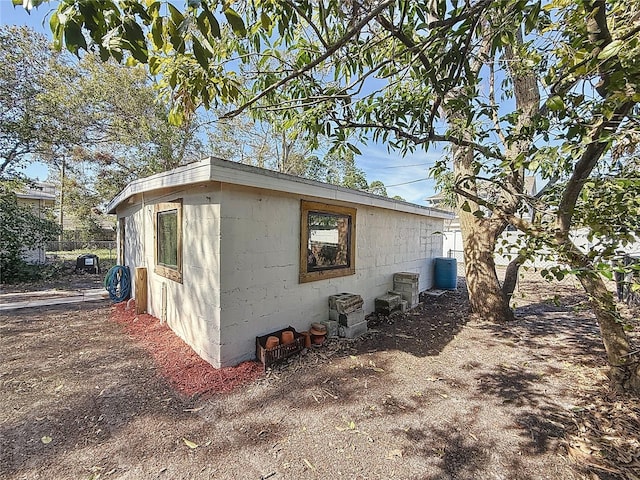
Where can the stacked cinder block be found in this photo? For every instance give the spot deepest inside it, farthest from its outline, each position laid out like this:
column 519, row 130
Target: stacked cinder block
column 346, row 309
column 389, row 303
column 406, row 284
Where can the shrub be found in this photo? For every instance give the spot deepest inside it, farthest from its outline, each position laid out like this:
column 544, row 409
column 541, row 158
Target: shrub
column 20, row 229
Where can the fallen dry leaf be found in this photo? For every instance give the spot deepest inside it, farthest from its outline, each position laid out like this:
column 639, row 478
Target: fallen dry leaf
column 190, row 444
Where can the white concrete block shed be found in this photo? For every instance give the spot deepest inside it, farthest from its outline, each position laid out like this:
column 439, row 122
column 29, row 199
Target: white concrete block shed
column 233, row 251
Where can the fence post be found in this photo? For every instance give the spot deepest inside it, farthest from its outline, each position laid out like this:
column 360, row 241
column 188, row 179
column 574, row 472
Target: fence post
column 141, row 290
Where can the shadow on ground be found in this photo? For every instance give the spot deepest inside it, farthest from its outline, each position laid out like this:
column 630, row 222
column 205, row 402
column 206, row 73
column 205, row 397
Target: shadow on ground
column 426, row 394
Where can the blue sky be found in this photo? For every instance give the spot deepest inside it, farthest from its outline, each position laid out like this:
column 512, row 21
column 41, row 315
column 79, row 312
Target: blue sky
column 404, row 176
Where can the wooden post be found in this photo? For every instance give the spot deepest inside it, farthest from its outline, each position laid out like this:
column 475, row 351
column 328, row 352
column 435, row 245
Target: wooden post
column 141, row 290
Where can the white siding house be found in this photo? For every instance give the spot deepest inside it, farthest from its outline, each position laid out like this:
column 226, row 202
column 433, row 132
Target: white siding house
column 240, row 264
column 41, row 198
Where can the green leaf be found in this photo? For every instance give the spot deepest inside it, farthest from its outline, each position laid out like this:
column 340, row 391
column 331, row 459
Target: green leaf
column 176, row 117
column 156, row 33
column 265, row 20
column 213, row 27
column 236, row 22
column 354, row 149
column 54, row 24
column 154, row 65
column 201, row 54
column 203, row 24
column 73, row 37
column 176, row 17
column 610, row 50
column 555, row 103
column 135, row 37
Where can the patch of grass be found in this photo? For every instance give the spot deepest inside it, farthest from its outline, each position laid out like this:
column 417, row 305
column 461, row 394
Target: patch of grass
column 104, row 254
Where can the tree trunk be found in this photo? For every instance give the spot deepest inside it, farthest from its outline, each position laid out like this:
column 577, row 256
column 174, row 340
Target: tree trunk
column 479, row 236
column 62, row 180
column 624, row 365
column 511, row 276
column 486, row 297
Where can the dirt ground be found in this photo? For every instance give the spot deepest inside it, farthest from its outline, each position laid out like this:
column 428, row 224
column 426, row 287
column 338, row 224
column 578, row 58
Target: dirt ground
column 67, row 281
column 431, row 394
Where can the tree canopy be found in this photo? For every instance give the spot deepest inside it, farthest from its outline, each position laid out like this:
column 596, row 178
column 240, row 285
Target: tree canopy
column 26, row 68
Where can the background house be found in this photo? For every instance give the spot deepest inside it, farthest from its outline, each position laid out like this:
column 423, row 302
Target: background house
column 452, row 234
column 234, row 251
column 41, row 198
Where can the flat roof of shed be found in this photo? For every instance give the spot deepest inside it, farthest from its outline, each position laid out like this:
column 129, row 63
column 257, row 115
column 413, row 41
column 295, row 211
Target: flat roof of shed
column 224, row 171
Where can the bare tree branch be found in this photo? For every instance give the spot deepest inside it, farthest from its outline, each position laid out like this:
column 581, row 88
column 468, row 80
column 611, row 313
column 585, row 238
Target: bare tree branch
column 583, row 168
column 419, row 140
column 311, row 65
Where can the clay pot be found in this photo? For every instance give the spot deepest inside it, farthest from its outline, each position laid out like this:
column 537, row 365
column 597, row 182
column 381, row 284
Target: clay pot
column 272, row 342
column 317, row 339
column 307, row 339
column 287, row 337
column 318, row 327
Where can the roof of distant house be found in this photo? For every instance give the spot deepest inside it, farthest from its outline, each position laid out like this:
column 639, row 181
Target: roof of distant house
column 38, row 191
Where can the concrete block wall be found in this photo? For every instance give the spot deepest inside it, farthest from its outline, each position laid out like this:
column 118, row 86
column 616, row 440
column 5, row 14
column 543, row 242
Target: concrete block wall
column 391, row 242
column 240, row 264
column 193, row 306
column 260, row 241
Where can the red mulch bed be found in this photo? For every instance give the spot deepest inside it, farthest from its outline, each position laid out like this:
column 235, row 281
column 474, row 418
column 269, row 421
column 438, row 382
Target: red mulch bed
column 183, row 369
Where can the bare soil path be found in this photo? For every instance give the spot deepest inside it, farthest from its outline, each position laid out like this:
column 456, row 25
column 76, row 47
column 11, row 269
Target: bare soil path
column 431, row 394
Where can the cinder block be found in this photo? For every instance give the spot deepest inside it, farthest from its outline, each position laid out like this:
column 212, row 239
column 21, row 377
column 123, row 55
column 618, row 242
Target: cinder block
column 350, row 319
column 354, row 330
column 405, row 277
column 405, row 287
column 412, row 298
column 406, row 284
column 334, row 298
column 387, row 304
column 332, row 327
column 345, row 302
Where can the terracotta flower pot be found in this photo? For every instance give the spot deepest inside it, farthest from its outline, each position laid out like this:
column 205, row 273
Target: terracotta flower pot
column 318, row 327
column 287, row 337
column 307, row 339
column 272, row 342
column 317, row 339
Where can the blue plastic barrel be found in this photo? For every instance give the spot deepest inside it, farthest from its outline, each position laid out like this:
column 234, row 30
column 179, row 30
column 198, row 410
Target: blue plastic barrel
column 446, row 273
